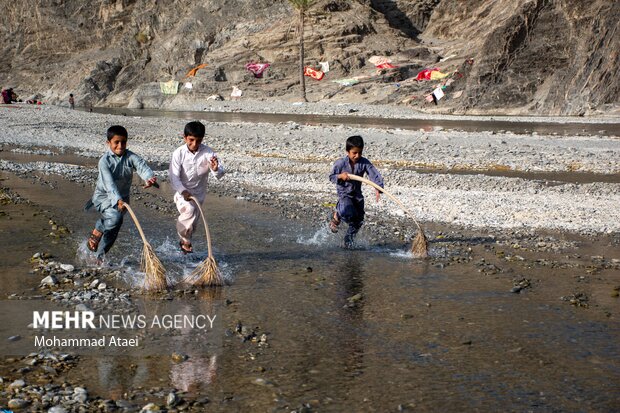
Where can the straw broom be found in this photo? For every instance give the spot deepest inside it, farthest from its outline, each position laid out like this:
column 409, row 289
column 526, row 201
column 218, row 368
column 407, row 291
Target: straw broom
column 154, row 272
column 206, row 274
column 419, row 247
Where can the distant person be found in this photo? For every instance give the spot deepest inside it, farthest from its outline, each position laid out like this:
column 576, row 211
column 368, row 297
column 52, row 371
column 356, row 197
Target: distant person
column 7, row 96
column 350, row 206
column 71, row 101
column 190, row 167
column 116, row 168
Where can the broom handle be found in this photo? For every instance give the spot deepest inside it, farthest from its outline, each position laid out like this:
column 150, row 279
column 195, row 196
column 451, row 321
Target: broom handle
column 392, row 197
column 204, row 221
column 135, row 220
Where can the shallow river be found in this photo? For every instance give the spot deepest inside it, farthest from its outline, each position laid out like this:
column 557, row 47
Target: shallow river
column 365, row 330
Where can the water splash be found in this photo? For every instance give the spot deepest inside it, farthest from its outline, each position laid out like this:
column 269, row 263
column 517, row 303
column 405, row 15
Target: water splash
column 321, row 237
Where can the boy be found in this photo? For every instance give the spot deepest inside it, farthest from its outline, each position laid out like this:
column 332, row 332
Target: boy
column 112, row 190
column 71, row 101
column 350, row 207
column 190, row 168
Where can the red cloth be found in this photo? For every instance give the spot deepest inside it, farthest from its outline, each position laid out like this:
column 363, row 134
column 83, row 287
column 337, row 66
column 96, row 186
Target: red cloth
column 257, row 68
column 315, row 74
column 426, row 74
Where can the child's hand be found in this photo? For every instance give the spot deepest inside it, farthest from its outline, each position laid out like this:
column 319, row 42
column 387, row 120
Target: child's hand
column 186, row 195
column 151, row 182
column 214, row 163
column 121, row 205
column 343, row 176
column 377, row 194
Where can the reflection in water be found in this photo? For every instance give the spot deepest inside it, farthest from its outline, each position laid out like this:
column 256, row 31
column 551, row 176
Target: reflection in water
column 198, row 371
column 119, row 374
column 193, row 371
column 349, row 287
column 194, row 374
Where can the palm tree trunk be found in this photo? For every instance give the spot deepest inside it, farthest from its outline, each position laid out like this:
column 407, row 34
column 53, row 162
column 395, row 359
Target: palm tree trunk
column 302, row 78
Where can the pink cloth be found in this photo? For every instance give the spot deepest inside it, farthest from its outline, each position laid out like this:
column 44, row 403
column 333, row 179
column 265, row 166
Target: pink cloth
column 257, row 68
column 386, row 66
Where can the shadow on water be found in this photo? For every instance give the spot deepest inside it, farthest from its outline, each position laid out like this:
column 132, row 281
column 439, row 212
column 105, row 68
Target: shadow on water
column 341, row 324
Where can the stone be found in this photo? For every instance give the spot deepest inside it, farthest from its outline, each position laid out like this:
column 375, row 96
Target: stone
column 50, row 280
column 67, row 267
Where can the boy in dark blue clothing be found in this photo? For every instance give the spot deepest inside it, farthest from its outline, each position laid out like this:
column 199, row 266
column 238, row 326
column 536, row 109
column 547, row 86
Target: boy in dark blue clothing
column 350, row 207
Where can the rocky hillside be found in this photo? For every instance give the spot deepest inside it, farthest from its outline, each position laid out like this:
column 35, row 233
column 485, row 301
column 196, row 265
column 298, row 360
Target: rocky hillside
column 515, row 57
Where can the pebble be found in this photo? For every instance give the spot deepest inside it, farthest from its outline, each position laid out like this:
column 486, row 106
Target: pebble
column 172, row 399
column 67, row 267
column 151, row 407
column 17, row 403
column 50, row 280
column 17, row 384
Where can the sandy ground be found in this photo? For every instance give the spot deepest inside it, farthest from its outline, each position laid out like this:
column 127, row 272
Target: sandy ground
column 288, row 164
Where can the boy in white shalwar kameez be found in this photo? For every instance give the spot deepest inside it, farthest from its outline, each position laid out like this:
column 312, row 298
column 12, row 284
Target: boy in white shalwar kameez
column 190, row 168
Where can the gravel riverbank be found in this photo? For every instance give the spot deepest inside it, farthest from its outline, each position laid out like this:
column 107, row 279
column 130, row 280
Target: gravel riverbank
column 287, row 165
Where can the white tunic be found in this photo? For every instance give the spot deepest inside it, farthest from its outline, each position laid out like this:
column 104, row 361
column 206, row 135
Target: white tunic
column 190, row 171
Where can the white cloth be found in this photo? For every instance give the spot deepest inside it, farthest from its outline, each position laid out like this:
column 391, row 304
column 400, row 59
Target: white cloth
column 324, row 67
column 189, row 215
column 236, row 92
column 438, row 93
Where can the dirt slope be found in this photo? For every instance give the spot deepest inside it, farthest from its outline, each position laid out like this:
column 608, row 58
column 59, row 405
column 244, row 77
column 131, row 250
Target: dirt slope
column 532, row 56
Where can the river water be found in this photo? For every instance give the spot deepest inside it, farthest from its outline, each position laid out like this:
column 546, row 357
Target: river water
column 364, row 330
column 521, row 128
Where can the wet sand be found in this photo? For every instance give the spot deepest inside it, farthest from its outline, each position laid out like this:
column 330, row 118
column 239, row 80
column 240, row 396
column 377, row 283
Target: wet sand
column 498, row 319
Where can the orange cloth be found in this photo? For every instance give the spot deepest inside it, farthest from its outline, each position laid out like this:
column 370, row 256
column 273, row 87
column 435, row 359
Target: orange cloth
column 315, row 74
column 193, row 71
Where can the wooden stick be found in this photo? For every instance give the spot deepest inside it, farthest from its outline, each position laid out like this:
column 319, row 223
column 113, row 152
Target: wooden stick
column 419, row 246
column 135, row 221
column 392, row 197
column 204, row 221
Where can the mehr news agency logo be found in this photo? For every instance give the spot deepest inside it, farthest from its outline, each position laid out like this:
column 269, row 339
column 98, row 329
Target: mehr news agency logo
column 78, row 321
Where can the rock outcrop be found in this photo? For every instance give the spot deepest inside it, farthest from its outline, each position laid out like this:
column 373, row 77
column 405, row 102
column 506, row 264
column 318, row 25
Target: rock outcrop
column 532, row 56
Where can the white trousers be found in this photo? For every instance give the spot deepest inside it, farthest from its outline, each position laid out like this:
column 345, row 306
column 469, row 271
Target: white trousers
column 188, row 217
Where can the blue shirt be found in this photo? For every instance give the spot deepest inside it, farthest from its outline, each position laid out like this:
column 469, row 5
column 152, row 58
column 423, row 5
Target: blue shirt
column 115, row 175
column 353, row 189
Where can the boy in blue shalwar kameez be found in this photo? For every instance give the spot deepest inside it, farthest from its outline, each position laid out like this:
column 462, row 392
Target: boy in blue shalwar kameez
column 350, row 207
column 116, row 168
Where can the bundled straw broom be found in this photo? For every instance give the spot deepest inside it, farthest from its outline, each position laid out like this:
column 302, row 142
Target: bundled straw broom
column 206, row 274
column 419, row 247
column 154, row 272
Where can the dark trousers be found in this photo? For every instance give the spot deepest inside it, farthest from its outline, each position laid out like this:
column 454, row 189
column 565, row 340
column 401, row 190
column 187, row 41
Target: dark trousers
column 110, row 224
column 351, row 211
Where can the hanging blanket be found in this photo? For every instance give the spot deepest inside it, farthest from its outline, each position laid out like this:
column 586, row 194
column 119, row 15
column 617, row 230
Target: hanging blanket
column 257, row 68
column 426, row 74
column 169, row 88
column 315, row 74
column 436, row 75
